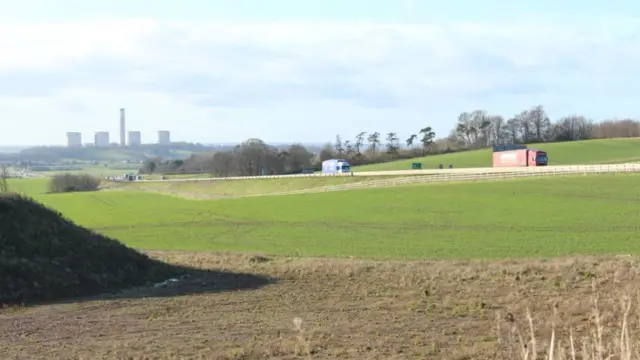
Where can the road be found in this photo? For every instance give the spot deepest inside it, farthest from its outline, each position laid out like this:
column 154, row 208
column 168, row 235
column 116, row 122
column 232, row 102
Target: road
column 480, row 172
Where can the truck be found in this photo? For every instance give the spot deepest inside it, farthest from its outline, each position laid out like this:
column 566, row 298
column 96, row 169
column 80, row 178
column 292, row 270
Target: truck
column 518, row 156
column 335, row 166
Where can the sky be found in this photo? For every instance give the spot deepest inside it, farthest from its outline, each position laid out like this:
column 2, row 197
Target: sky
column 296, row 70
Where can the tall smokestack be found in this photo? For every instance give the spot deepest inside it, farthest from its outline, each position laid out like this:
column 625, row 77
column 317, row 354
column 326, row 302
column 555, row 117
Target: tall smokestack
column 122, row 128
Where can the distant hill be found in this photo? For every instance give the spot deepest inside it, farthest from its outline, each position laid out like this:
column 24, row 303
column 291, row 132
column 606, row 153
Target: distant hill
column 56, row 154
column 173, row 151
column 12, row 149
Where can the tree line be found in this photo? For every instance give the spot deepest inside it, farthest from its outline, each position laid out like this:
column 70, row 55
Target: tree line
column 250, row 158
column 479, row 128
column 473, row 130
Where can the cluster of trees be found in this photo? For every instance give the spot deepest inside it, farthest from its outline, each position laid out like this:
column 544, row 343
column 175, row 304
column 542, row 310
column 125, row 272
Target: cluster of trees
column 379, row 148
column 473, row 130
column 478, row 128
column 250, row 158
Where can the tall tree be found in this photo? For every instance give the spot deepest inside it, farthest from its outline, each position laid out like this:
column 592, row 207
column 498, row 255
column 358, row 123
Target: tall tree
column 360, row 141
column 428, row 135
column 498, row 130
column 464, row 128
column 392, row 142
column 524, row 122
column 540, row 122
column 349, row 149
column 411, row 140
column 512, row 131
column 374, row 142
column 479, row 128
column 338, row 146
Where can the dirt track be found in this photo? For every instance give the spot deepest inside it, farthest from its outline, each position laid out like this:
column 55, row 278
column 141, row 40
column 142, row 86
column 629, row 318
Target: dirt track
column 348, row 309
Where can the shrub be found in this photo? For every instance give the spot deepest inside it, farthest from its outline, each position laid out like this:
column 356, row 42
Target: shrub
column 62, row 183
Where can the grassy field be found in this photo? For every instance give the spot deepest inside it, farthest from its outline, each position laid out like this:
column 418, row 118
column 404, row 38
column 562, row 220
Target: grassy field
column 321, row 304
column 33, row 186
column 509, row 219
column 234, row 188
column 607, row 151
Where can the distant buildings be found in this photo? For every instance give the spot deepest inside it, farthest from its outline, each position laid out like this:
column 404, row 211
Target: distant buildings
column 164, row 137
column 101, row 139
column 74, row 139
column 135, row 138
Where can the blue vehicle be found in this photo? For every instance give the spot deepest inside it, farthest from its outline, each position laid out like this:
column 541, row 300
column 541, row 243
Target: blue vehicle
column 335, row 166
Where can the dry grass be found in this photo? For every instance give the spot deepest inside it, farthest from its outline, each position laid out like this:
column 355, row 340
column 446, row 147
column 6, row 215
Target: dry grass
column 572, row 308
column 216, row 189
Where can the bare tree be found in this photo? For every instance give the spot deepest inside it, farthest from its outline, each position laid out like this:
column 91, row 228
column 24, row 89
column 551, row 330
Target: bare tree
column 513, row 131
column 498, row 130
column 411, row 140
column 359, row 142
column 524, row 122
column 223, row 164
column 4, row 176
column 474, row 128
column 616, row 129
column 540, row 123
column 480, row 128
column 339, row 146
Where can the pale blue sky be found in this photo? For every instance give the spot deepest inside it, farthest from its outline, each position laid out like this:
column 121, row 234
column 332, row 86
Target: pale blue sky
column 324, row 10
column 285, row 70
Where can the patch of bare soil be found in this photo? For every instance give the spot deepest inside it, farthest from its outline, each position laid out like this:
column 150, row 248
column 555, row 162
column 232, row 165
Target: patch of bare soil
column 349, row 309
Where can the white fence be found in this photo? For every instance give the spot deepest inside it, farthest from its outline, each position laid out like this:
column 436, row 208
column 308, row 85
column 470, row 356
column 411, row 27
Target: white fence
column 466, row 175
column 248, row 177
column 457, row 174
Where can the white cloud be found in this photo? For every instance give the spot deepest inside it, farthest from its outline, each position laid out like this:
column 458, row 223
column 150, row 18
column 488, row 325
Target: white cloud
column 288, row 81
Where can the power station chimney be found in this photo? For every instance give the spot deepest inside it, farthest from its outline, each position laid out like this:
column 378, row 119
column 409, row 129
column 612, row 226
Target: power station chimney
column 122, row 128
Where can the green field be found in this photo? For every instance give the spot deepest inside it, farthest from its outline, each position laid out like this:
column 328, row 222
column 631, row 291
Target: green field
column 525, row 218
column 29, row 186
column 227, row 188
column 607, row 151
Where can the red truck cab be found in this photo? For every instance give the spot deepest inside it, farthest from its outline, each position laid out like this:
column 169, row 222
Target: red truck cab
column 518, row 156
column 537, row 158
